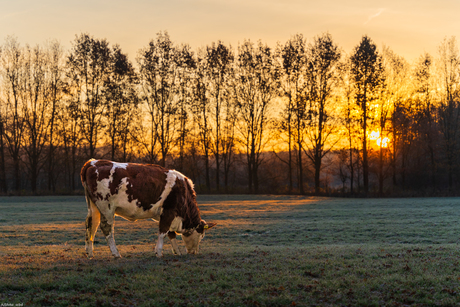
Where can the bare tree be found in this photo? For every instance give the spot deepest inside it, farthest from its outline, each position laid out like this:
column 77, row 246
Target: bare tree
column 423, row 78
column 255, row 86
column 201, row 111
column 291, row 60
column 13, row 93
column 228, row 139
column 121, row 100
column 35, row 110
column 323, row 56
column 68, row 121
column 367, row 72
column 219, row 59
column 56, row 87
column 449, row 113
column 350, row 119
column 158, row 76
column 89, row 63
column 186, row 63
column 3, row 183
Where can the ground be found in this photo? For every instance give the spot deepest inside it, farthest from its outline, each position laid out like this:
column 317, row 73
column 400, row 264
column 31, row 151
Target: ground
column 265, row 251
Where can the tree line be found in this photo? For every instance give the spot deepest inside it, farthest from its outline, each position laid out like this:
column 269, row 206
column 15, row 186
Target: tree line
column 300, row 117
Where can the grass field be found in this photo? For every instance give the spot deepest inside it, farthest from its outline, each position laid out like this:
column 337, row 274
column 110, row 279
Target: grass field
column 265, row 251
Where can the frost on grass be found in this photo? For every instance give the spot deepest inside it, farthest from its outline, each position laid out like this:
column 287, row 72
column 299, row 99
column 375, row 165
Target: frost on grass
column 264, row 251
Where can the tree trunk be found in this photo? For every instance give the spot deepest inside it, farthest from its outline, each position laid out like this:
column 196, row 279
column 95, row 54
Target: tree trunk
column 352, row 175
column 217, row 141
column 17, row 178
column 3, row 183
column 317, row 175
column 433, row 168
column 381, row 171
column 51, row 185
column 206, row 164
column 299, row 157
column 365, row 162
column 114, row 133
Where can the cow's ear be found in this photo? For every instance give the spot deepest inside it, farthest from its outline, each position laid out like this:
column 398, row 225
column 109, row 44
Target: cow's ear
column 209, row 225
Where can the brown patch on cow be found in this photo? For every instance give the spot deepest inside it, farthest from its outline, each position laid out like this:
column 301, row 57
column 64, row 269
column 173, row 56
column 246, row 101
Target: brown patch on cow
column 84, row 169
column 89, row 177
column 88, row 224
column 117, row 176
column 84, row 174
column 103, row 167
column 145, row 183
column 105, row 226
column 171, row 235
column 182, row 202
column 200, row 228
column 204, row 226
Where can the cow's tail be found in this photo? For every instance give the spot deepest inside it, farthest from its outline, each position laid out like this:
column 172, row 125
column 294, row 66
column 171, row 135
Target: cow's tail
column 84, row 183
column 88, row 197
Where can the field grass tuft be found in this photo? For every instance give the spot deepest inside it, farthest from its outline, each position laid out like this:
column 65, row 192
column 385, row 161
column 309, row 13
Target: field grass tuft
column 265, row 251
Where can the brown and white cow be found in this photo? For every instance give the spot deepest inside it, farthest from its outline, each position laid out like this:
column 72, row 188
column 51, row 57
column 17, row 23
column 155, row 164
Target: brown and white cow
column 141, row 191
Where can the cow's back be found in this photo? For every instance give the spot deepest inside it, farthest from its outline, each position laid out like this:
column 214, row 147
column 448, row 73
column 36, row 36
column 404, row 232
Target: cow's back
column 130, row 183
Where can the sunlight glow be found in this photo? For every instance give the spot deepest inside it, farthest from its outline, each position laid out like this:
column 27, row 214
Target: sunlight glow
column 375, row 136
column 384, row 142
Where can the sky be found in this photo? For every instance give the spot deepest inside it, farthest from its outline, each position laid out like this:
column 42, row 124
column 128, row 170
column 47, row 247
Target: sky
column 409, row 27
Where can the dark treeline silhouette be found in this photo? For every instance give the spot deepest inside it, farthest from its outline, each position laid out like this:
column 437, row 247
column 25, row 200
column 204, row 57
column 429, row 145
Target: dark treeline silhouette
column 300, row 117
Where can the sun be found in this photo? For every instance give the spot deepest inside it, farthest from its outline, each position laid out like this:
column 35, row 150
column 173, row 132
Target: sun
column 375, row 136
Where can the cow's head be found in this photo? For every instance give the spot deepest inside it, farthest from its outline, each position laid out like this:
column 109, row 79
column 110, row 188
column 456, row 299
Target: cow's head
column 192, row 237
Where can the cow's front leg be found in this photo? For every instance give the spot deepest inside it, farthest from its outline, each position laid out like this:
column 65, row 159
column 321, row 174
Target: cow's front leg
column 175, row 246
column 159, row 246
column 165, row 222
column 108, row 229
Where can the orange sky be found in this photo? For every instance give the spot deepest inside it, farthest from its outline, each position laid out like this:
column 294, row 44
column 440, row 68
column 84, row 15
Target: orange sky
column 408, row 27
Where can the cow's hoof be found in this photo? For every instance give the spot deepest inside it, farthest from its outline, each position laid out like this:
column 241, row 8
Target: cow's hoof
column 159, row 255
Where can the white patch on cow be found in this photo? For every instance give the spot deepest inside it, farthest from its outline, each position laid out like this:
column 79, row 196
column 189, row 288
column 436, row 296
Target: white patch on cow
column 192, row 185
column 192, row 241
column 103, row 186
column 170, row 182
column 113, row 248
column 125, row 208
column 177, row 174
column 175, row 247
column 93, row 162
column 159, row 246
column 119, row 165
column 171, row 177
column 176, row 224
column 182, row 177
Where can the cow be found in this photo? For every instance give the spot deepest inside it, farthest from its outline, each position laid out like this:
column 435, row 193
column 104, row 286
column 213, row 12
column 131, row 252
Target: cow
column 141, row 191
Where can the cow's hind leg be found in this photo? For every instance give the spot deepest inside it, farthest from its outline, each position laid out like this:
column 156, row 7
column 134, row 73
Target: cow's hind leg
column 92, row 223
column 175, row 246
column 107, row 227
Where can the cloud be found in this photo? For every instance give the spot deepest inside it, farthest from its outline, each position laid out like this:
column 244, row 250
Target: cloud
column 374, row 15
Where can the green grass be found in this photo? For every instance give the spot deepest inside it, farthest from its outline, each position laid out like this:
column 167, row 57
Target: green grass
column 265, row 251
